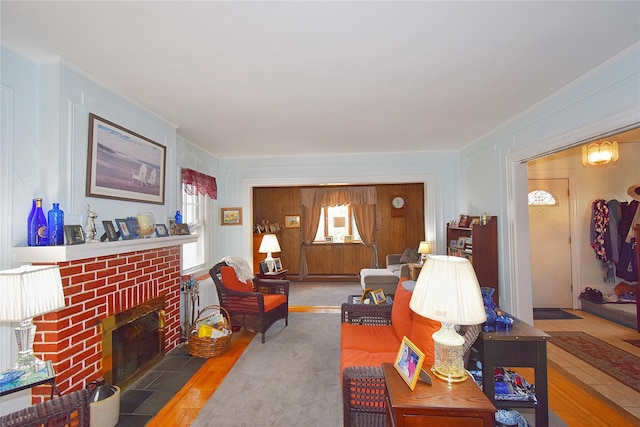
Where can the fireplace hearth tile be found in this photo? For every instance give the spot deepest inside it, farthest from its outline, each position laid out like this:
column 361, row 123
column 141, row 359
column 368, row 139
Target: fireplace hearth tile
column 141, row 401
column 168, row 380
column 132, row 399
column 133, row 420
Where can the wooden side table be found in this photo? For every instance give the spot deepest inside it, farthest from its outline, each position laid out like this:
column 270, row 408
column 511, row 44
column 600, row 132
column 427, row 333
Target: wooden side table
column 279, row 275
column 46, row 375
column 439, row 404
column 522, row 346
column 414, row 270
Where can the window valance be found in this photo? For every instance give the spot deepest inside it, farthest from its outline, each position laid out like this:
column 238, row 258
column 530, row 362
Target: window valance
column 336, row 196
column 198, row 183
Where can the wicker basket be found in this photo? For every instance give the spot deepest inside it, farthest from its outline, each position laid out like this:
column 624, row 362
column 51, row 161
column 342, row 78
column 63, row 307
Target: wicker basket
column 209, row 347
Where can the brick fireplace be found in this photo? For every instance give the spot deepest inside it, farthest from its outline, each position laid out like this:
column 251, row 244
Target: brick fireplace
column 94, row 289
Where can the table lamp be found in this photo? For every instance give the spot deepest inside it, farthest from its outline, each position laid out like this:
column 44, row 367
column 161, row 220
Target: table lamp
column 424, row 249
column 268, row 245
column 27, row 292
column 447, row 290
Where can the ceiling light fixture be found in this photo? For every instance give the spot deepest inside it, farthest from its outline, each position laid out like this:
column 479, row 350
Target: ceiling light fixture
column 599, row 153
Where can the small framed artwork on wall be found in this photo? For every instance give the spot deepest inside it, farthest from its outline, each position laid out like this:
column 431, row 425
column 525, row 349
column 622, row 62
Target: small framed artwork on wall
column 230, row 216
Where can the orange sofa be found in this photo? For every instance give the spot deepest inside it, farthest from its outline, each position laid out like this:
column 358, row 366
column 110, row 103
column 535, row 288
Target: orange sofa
column 370, row 336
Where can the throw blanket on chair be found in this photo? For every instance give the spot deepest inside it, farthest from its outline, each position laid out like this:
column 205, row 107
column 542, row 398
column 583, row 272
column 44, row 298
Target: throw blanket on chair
column 241, row 266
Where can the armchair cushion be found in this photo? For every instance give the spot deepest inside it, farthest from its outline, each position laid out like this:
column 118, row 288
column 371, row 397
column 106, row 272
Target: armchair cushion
column 230, row 280
column 272, row 301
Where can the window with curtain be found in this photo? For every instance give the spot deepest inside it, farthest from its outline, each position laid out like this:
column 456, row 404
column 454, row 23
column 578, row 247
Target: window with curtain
column 198, row 192
column 337, row 222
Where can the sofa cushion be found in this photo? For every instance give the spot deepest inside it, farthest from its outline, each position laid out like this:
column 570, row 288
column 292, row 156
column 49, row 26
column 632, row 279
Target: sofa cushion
column 422, row 330
column 401, row 314
column 352, row 357
column 230, row 280
column 371, row 339
column 409, row 256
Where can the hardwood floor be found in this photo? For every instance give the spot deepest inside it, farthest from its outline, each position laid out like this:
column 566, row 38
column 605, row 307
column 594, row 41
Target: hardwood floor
column 581, row 396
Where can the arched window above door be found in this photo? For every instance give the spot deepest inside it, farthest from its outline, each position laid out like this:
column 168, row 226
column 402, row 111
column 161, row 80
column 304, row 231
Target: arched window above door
column 541, row 198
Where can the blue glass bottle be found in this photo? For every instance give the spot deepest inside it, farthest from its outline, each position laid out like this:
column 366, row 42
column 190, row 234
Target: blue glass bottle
column 55, row 226
column 38, row 227
column 31, row 238
column 178, row 217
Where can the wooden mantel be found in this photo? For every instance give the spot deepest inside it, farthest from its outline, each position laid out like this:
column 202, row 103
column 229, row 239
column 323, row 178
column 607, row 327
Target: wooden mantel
column 54, row 254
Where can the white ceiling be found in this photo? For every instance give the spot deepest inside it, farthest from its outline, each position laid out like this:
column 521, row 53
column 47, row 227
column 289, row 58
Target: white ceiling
column 287, row 78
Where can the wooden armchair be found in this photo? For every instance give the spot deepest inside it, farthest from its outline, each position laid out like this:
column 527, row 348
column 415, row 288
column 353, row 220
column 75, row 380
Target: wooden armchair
column 256, row 305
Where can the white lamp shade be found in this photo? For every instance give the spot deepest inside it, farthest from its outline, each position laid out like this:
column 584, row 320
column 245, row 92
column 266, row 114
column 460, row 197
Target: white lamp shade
column 30, row 291
column 269, row 244
column 447, row 290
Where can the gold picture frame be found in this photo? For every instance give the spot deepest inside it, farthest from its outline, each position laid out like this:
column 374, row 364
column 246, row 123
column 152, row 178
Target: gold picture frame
column 292, row 221
column 409, row 362
column 365, row 295
column 230, row 216
column 378, row 296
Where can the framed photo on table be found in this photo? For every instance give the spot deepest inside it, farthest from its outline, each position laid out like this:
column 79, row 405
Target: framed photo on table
column 161, row 230
column 409, row 362
column 74, row 234
column 110, row 230
column 378, row 296
column 365, row 294
column 124, row 165
column 277, row 264
column 127, row 227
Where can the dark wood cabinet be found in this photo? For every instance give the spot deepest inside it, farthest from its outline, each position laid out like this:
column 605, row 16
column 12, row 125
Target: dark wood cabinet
column 479, row 244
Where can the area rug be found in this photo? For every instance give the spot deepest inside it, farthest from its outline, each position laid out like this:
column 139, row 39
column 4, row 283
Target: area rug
column 293, row 379
column 633, row 342
column 552, row 314
column 623, row 366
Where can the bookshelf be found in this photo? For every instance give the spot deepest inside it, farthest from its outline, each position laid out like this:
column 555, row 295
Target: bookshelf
column 479, row 244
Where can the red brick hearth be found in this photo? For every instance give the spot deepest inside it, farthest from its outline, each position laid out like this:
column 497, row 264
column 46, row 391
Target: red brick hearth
column 95, row 288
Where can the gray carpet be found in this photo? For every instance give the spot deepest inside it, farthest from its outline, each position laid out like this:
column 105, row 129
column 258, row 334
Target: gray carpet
column 291, row 380
column 322, row 293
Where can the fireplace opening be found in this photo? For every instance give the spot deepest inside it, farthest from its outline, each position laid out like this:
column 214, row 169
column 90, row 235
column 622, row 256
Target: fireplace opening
column 132, row 342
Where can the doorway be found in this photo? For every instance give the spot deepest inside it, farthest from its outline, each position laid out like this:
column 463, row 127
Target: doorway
column 550, row 236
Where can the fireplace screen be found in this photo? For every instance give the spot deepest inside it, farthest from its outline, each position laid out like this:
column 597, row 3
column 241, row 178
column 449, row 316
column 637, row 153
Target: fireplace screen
column 133, row 341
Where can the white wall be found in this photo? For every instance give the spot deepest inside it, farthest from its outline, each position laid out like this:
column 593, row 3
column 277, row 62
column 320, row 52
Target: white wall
column 494, row 167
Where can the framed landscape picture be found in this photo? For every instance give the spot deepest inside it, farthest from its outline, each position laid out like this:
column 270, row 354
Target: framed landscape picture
column 230, row 216
column 292, row 221
column 124, row 165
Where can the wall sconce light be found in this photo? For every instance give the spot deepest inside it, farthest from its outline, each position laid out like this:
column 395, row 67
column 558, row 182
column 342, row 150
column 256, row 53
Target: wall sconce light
column 599, row 153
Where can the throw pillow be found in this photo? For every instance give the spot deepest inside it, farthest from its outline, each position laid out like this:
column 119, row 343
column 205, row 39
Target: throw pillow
column 401, row 314
column 230, row 280
column 422, row 330
column 409, row 256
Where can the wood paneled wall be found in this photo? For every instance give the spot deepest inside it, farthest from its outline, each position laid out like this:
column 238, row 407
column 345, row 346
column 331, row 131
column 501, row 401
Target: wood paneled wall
column 393, row 233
